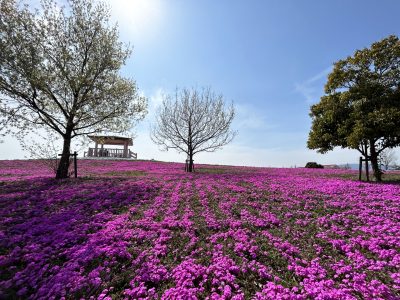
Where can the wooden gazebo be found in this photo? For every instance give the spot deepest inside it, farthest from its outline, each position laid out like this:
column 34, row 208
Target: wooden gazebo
column 100, row 151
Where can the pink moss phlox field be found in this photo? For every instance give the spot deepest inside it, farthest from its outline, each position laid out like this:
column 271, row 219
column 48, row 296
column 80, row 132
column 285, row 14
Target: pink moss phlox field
column 148, row 230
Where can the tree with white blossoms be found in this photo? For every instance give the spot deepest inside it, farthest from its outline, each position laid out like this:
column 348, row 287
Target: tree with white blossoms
column 59, row 71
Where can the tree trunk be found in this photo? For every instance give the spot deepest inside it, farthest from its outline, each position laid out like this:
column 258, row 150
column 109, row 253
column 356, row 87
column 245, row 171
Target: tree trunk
column 366, row 167
column 191, row 168
column 375, row 163
column 63, row 166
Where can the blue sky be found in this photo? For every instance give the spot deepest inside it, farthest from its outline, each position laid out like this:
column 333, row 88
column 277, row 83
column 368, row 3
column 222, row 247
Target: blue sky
column 270, row 57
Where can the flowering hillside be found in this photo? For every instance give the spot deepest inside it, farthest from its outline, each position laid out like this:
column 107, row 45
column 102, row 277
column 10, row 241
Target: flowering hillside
column 147, row 230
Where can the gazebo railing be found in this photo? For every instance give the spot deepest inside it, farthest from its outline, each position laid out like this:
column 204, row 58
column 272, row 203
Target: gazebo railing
column 132, row 154
column 110, row 152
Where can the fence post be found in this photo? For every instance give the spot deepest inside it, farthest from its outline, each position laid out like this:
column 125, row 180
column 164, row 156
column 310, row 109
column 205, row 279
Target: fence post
column 360, row 169
column 75, row 164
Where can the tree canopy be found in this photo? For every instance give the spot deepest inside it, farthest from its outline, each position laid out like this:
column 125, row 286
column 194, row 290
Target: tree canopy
column 59, row 71
column 193, row 121
column 361, row 106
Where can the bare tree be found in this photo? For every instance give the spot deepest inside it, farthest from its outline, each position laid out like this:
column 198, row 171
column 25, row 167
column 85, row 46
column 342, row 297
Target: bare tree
column 59, row 70
column 388, row 157
column 193, row 121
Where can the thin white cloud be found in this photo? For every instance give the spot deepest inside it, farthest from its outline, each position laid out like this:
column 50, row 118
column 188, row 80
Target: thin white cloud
column 312, row 88
column 155, row 100
column 249, row 117
column 321, row 75
column 142, row 131
column 308, row 92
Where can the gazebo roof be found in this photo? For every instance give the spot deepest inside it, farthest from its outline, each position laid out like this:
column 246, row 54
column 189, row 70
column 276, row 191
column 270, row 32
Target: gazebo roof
column 111, row 140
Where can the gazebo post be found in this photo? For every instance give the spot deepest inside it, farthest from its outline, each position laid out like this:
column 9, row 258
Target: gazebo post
column 95, row 149
column 125, row 149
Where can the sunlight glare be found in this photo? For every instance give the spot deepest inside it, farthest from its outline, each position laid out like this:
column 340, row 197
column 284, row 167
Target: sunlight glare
column 138, row 17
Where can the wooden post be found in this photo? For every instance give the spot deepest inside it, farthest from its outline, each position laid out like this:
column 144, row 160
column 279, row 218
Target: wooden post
column 125, row 149
column 360, row 169
column 75, row 165
column 367, row 168
column 96, row 145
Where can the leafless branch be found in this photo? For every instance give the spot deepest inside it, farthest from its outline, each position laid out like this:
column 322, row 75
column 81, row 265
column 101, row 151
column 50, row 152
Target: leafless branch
column 193, row 121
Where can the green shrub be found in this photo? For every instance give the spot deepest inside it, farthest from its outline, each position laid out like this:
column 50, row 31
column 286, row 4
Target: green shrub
column 314, row 165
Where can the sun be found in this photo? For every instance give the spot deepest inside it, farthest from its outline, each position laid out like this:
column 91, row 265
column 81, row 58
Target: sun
column 139, row 17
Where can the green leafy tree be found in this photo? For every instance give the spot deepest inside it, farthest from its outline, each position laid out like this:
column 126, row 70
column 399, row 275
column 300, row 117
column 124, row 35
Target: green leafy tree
column 59, row 72
column 361, row 106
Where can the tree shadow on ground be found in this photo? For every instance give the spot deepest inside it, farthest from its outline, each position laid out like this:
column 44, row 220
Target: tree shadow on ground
column 44, row 222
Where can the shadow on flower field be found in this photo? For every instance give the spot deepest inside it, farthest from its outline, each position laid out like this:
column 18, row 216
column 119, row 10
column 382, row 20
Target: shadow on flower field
column 57, row 231
column 148, row 230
